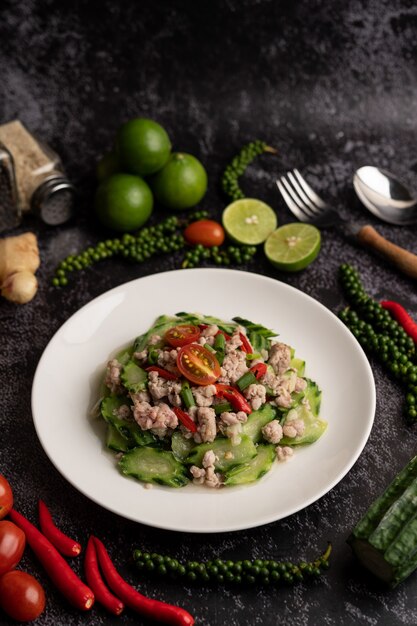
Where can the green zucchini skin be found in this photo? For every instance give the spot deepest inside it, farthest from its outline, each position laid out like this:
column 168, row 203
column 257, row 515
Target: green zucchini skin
column 241, row 453
column 385, row 539
column 257, row 420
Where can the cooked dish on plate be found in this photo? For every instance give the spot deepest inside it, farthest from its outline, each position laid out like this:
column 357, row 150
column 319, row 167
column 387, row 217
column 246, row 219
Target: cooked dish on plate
column 202, row 400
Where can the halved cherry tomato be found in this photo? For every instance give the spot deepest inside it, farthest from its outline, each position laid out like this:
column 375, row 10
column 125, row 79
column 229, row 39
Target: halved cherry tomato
column 12, row 545
column 207, row 233
column 198, row 364
column 182, row 335
column 6, row 497
column 21, row 596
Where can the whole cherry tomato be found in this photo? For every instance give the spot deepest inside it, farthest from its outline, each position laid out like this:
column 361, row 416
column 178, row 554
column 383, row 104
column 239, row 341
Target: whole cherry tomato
column 198, row 364
column 182, row 334
column 6, row 497
column 205, row 232
column 21, row 596
column 12, row 545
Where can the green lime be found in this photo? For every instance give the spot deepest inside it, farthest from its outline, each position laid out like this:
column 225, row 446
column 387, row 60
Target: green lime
column 123, row 202
column 108, row 165
column 249, row 221
column 142, row 146
column 292, row 247
column 181, row 183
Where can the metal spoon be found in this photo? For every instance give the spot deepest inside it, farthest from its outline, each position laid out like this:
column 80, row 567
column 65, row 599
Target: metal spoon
column 385, row 196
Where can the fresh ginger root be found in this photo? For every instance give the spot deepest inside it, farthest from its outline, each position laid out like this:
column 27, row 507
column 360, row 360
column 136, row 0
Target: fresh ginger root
column 19, row 260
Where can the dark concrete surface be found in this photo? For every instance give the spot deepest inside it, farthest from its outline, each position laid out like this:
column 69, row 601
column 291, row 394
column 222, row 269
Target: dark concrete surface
column 333, row 86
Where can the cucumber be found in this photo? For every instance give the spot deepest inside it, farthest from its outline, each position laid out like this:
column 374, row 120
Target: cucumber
column 385, row 539
column 180, row 446
column 257, row 420
column 312, row 394
column 254, row 469
column 314, row 428
column 161, row 325
column 223, row 448
column 152, row 465
column 115, row 441
column 299, row 365
column 130, row 430
column 133, row 377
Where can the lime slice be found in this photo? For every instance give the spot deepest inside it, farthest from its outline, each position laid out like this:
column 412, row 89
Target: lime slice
column 292, row 247
column 249, row 221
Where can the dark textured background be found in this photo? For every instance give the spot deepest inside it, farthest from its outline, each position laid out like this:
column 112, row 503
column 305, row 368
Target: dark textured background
column 333, row 86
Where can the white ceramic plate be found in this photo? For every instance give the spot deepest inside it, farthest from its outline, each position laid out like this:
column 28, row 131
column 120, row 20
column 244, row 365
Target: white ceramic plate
column 67, row 378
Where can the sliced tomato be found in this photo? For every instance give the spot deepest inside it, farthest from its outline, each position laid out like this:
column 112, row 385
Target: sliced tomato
column 197, row 364
column 182, row 335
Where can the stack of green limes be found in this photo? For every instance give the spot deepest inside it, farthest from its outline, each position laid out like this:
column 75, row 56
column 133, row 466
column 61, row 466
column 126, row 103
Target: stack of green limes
column 142, row 150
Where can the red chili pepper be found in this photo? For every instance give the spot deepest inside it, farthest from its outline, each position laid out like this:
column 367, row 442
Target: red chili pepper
column 163, row 373
column 225, row 335
column 63, row 577
column 246, row 347
column 185, row 419
column 92, row 573
column 259, row 370
column 233, row 396
column 64, row 544
column 153, row 609
column 402, row 317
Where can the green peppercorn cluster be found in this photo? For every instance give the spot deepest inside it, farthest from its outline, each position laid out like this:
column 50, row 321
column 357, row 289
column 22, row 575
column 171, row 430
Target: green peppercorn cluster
column 225, row 256
column 162, row 238
column 381, row 335
column 238, row 165
column 219, row 571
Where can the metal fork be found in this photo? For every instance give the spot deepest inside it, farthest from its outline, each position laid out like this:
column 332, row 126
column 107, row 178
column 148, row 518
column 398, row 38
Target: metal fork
column 308, row 207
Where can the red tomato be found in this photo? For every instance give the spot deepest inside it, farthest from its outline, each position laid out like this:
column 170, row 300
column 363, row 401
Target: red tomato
column 6, row 497
column 198, row 364
column 12, row 545
column 181, row 335
column 21, row 596
column 205, row 232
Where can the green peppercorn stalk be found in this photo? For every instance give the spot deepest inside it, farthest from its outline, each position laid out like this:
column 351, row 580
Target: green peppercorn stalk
column 218, row 571
column 238, row 165
column 381, row 335
column 163, row 238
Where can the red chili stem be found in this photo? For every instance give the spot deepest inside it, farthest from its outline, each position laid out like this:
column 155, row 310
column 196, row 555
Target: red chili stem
column 153, row 609
column 162, row 373
column 61, row 574
column 92, row 573
column 402, row 317
column 246, row 347
column 64, row 544
column 185, row 419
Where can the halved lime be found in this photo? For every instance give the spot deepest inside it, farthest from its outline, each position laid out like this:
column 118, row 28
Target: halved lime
column 249, row 221
column 293, row 246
